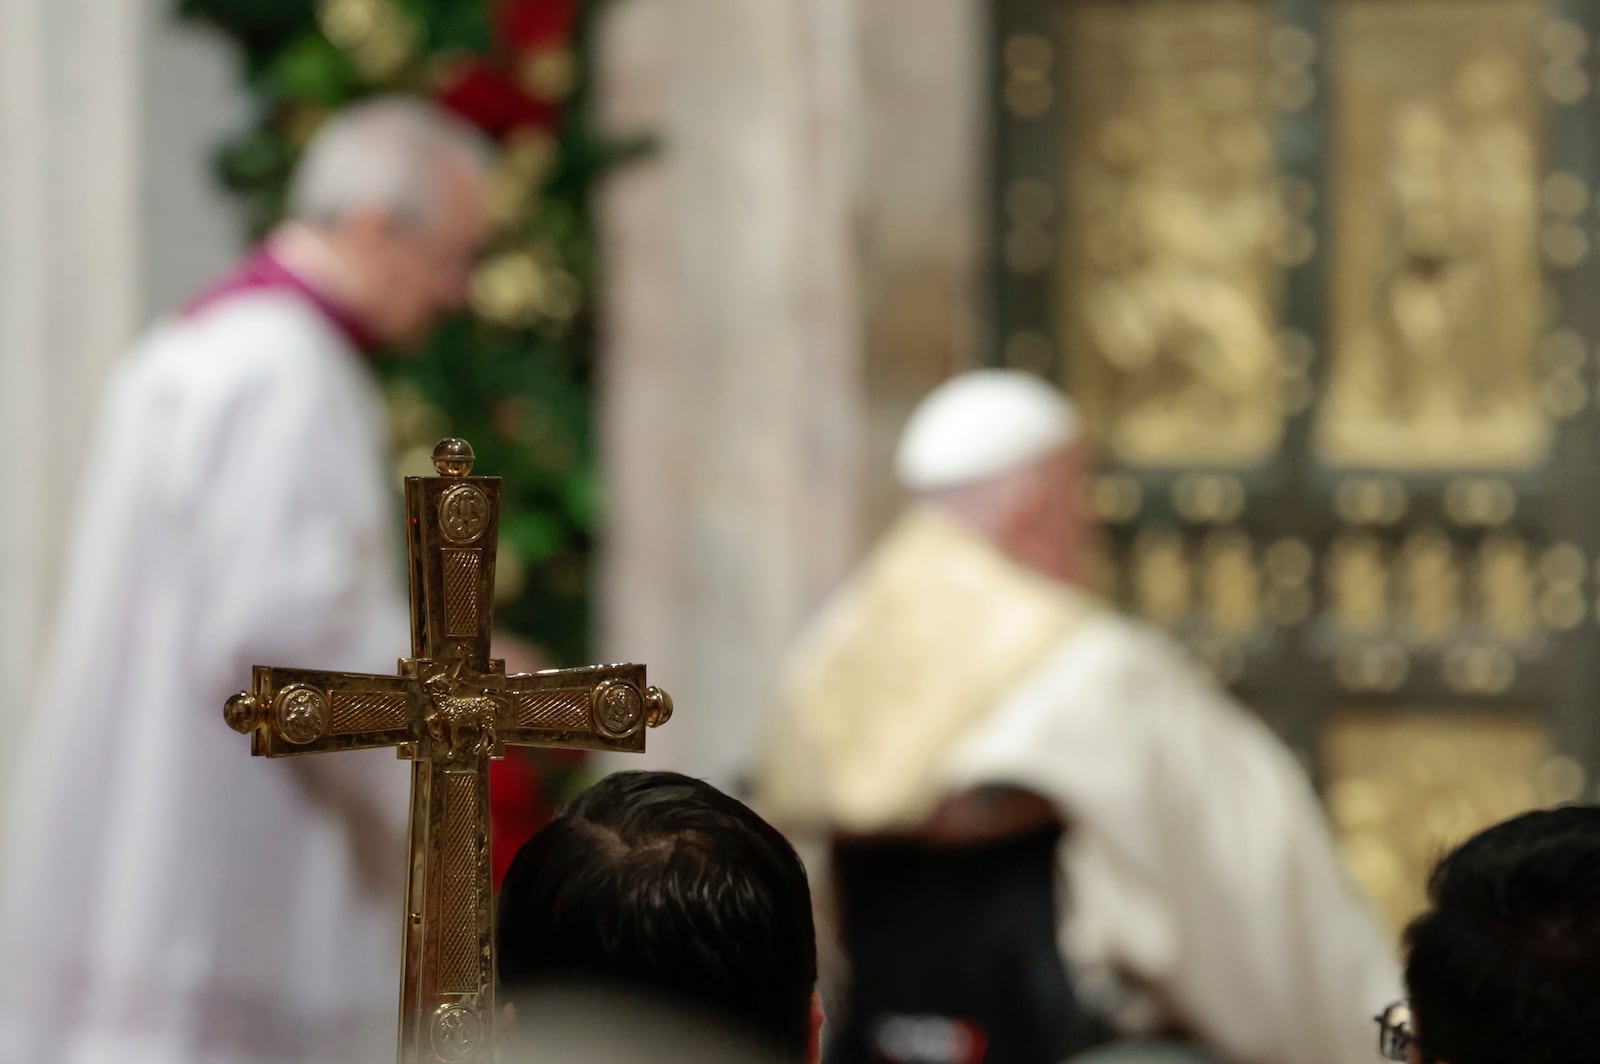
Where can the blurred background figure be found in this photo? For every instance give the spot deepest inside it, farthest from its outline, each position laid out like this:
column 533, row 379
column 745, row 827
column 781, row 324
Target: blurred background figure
column 1502, row 964
column 994, row 763
column 170, row 901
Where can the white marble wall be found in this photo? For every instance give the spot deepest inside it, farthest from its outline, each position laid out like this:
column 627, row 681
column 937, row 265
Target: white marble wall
column 190, row 228
column 799, row 258
column 921, row 209
column 108, row 112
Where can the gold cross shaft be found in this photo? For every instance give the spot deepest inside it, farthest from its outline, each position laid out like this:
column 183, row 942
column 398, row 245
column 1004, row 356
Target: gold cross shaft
column 450, row 710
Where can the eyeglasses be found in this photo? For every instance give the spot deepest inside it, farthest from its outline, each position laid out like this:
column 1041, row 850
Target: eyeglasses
column 1395, row 1037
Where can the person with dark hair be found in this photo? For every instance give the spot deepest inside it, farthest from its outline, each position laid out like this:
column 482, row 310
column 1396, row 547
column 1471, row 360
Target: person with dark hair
column 655, row 884
column 1505, row 963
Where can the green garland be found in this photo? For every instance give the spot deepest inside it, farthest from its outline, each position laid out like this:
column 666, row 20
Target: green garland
column 514, row 377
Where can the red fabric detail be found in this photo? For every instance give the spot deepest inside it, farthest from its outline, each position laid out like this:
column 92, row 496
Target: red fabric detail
column 261, row 271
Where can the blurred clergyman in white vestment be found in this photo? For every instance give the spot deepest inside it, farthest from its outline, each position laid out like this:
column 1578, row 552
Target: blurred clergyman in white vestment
column 1043, row 829
column 174, row 900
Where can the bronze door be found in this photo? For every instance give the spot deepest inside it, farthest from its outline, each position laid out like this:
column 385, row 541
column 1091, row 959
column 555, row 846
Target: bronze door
column 1319, row 276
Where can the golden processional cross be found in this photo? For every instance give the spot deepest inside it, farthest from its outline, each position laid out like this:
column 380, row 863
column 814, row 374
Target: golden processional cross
column 450, row 711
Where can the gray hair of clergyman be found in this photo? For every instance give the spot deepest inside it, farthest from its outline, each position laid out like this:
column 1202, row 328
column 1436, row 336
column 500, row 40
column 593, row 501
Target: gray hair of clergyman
column 386, row 155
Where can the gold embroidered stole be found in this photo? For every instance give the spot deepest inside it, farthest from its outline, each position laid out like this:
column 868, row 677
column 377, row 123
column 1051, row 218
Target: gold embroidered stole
column 909, row 656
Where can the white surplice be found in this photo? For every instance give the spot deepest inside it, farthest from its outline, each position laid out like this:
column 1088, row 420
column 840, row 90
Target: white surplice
column 1201, row 888
column 174, row 899
column 1197, row 860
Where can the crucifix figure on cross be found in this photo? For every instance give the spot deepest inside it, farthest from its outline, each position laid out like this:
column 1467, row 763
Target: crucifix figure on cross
column 450, row 710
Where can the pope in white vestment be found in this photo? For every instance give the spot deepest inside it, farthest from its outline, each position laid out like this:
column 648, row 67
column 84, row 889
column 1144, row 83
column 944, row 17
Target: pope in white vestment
column 174, row 900
column 1200, row 889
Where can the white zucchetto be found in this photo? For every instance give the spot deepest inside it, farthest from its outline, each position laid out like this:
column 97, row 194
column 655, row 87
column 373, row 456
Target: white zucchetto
column 980, row 424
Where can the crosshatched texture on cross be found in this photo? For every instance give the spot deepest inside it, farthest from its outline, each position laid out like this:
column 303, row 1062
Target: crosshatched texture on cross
column 450, row 709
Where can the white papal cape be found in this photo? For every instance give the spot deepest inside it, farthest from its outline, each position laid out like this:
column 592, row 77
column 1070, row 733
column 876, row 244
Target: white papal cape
column 173, row 899
column 1198, row 871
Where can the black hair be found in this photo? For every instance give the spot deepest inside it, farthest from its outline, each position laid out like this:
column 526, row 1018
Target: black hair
column 1505, row 964
column 657, row 882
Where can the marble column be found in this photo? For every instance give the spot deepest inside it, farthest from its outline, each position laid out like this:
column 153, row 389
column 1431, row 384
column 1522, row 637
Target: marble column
column 109, row 112
column 798, row 261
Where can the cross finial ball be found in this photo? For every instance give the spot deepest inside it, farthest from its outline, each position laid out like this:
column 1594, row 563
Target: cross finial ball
column 453, row 457
column 242, row 712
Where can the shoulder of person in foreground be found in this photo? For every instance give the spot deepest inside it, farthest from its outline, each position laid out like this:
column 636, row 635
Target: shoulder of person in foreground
column 581, row 1024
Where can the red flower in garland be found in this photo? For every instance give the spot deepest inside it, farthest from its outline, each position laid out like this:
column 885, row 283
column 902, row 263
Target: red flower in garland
column 534, row 25
column 494, row 100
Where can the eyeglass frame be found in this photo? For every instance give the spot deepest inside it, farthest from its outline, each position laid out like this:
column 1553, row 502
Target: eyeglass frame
column 1396, row 1036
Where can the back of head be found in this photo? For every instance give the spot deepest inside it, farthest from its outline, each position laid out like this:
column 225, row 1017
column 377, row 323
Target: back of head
column 654, row 881
column 383, row 155
column 1505, row 965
